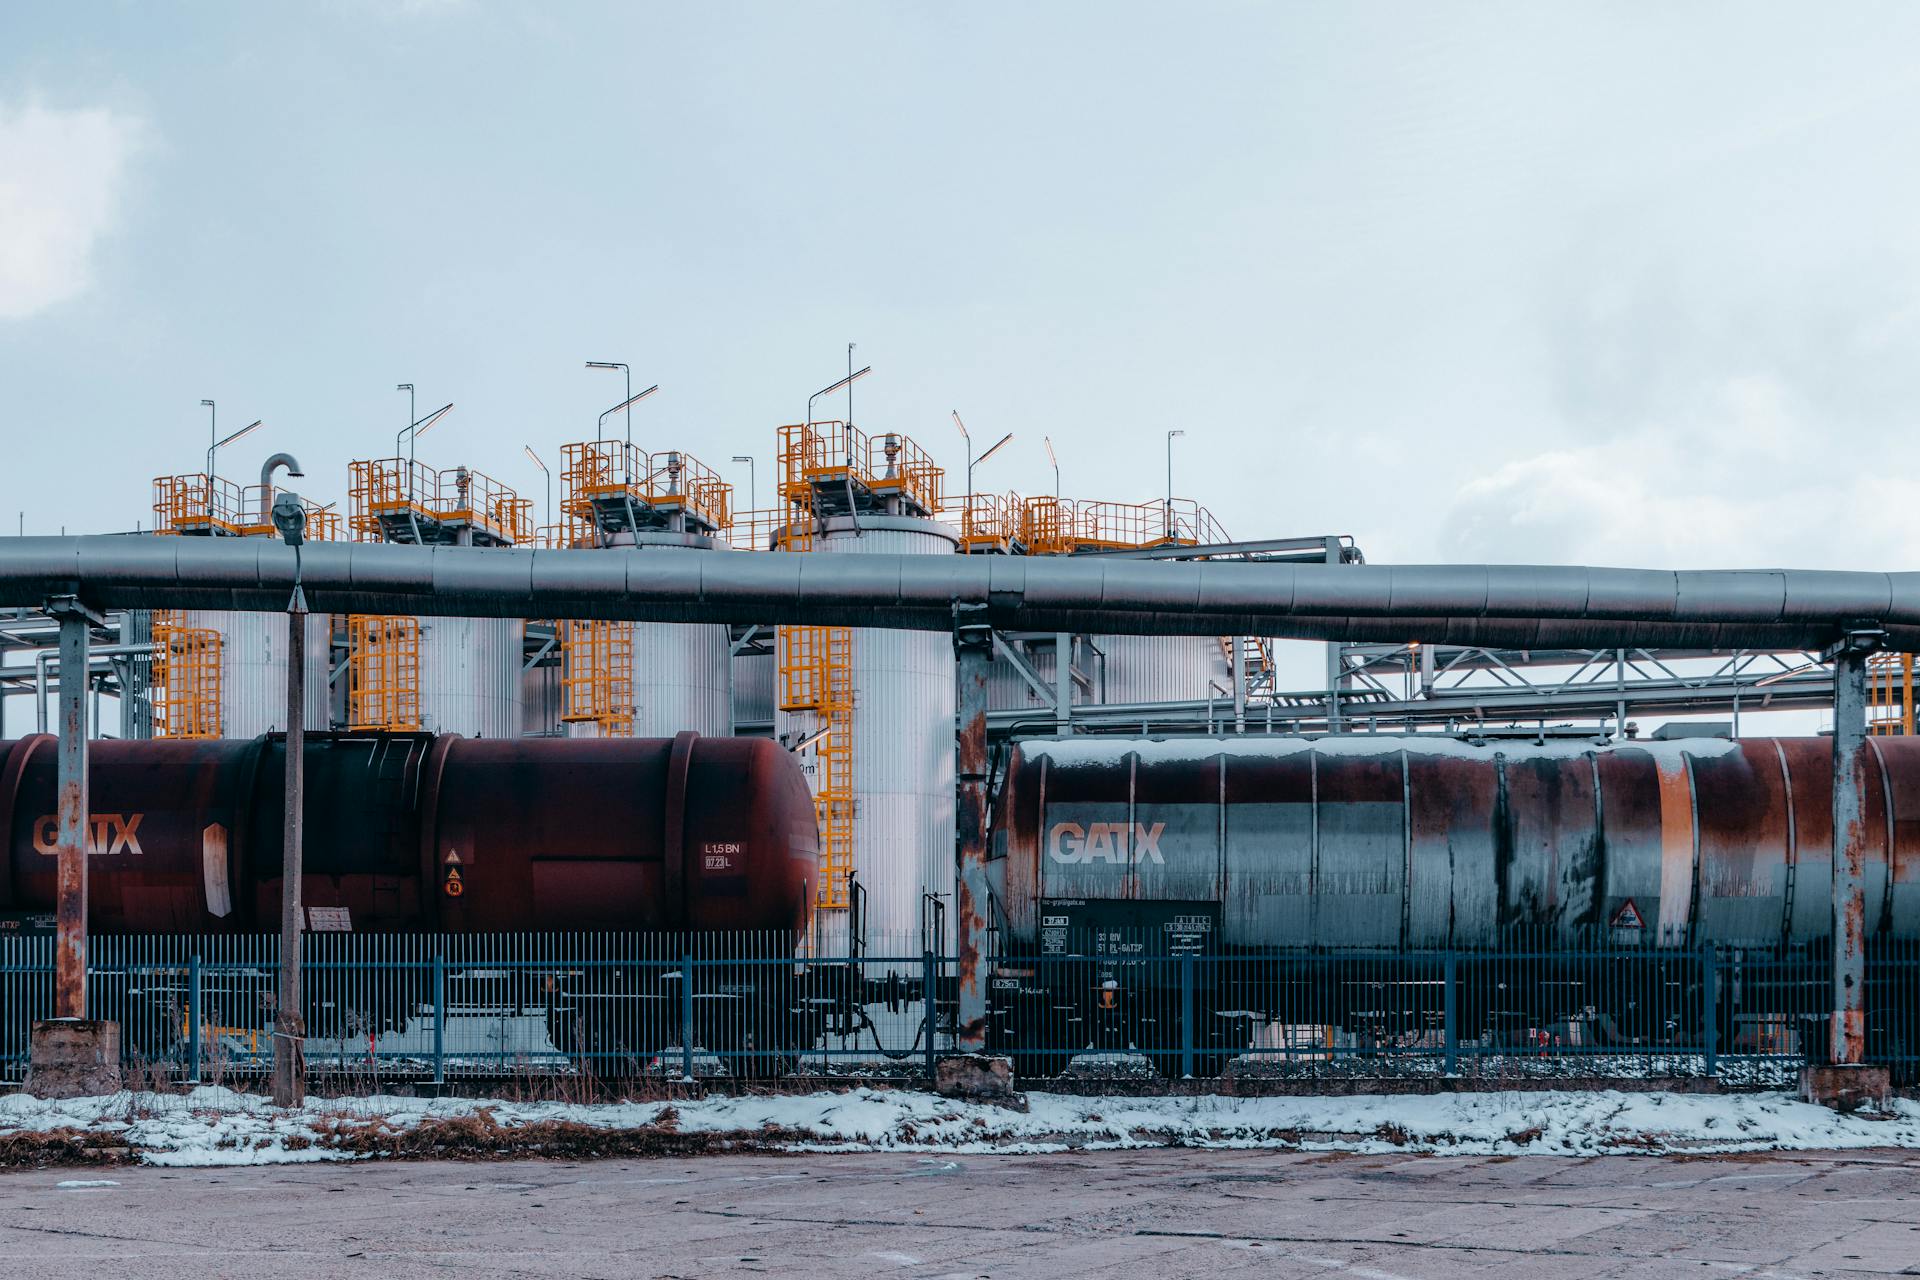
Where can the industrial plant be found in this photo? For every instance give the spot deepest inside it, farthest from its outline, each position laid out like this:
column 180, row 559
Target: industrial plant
column 1006, row 815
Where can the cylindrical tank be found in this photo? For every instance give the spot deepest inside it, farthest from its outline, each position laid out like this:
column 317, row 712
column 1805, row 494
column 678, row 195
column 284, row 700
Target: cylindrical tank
column 643, row 834
column 470, row 676
column 253, row 669
column 679, row 671
column 1380, row 841
column 753, row 689
column 540, row 701
column 1128, row 669
column 902, row 744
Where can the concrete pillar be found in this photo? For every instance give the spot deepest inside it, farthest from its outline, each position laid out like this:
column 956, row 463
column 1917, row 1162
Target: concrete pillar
column 973, row 652
column 1847, row 1045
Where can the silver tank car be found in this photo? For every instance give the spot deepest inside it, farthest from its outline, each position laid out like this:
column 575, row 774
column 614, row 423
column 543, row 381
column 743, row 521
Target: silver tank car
column 1422, row 842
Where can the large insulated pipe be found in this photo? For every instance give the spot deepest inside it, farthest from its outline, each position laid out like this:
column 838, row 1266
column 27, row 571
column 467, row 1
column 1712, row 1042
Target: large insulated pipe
column 1503, row 606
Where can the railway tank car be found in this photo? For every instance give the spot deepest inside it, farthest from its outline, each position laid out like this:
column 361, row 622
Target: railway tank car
column 1378, row 844
column 417, row 833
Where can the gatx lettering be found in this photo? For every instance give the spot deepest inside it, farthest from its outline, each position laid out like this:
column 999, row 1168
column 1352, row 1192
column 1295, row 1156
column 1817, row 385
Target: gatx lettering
column 107, row 833
column 1074, row 844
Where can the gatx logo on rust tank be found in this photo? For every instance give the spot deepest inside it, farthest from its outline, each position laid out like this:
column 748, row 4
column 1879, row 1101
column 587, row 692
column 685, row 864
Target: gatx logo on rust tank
column 1076, row 845
column 107, row 833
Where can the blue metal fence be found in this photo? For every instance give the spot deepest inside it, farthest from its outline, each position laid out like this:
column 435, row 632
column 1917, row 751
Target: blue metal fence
column 392, row 1009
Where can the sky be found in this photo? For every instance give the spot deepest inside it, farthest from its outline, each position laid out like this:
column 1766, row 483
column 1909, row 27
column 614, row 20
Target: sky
column 1617, row 284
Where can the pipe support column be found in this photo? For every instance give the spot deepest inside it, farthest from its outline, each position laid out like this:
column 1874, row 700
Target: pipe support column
column 72, row 838
column 1848, row 1039
column 973, row 654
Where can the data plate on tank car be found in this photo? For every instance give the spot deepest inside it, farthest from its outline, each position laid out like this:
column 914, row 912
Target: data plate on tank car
column 1077, row 926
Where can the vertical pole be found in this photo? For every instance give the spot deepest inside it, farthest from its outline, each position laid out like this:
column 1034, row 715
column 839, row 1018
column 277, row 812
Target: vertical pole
column 1239, row 684
column 686, row 1014
column 289, row 1067
column 70, row 846
column 439, row 1017
column 1452, row 1014
column 1710, row 1006
column 1063, row 682
column 1847, row 1044
column 1333, row 656
column 973, row 650
column 193, row 1019
column 927, row 983
column 1186, row 1015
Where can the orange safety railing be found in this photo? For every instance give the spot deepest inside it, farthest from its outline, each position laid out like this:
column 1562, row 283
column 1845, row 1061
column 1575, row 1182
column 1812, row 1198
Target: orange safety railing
column 596, row 682
column 759, row 530
column 593, row 472
column 193, row 504
column 383, row 673
column 1062, row 526
column 1890, row 693
column 186, row 678
column 815, row 454
column 987, row 521
column 391, row 497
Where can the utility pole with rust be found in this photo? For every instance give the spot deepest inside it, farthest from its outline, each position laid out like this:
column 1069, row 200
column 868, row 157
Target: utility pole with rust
column 289, row 1030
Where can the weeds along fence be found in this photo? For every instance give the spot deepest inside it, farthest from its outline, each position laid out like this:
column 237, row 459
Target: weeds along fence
column 392, row 1009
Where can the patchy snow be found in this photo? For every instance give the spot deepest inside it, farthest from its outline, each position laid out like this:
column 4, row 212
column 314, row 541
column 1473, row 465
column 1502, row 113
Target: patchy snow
column 1105, row 752
column 213, row 1126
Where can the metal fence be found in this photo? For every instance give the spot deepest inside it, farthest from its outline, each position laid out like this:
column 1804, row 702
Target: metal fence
column 396, row 1009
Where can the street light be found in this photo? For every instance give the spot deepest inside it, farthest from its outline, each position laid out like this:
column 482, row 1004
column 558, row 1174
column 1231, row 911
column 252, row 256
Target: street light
column 414, row 429
column 628, row 375
column 972, row 461
column 216, row 442
column 548, row 474
column 289, row 1071
column 1170, row 438
column 1048, row 441
column 626, row 404
column 753, row 485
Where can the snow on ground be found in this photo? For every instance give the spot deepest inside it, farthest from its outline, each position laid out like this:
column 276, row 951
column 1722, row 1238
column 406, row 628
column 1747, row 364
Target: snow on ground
column 214, row 1126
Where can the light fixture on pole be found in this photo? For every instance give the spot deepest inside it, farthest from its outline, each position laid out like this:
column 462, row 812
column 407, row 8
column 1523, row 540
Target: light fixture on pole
column 549, row 475
column 289, row 1031
column 414, row 429
column 1170, row 438
column 1048, row 441
column 753, row 485
column 847, row 381
column 972, row 461
column 626, row 373
column 626, row 404
column 216, row 442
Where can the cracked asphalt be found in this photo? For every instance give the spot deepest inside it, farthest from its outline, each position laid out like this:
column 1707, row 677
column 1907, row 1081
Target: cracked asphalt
column 1163, row 1213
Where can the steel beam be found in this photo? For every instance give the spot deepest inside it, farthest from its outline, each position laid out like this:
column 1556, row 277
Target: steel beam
column 72, row 834
column 973, row 653
column 1848, row 1041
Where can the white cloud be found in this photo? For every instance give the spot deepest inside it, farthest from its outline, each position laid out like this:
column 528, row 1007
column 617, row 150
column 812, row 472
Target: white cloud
column 61, row 174
column 1744, row 481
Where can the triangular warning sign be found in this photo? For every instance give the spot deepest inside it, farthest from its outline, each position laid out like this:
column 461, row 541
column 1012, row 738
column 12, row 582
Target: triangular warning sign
column 453, row 857
column 453, row 873
column 1628, row 916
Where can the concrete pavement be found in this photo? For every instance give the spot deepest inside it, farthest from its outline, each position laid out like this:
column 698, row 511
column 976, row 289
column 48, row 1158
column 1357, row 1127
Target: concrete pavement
column 1163, row 1214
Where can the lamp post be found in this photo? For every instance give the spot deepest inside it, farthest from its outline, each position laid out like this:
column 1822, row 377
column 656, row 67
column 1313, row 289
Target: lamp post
column 972, row 462
column 847, row 381
column 289, row 1068
column 415, row 428
column 753, row 486
column 1170, row 439
column 548, row 474
column 628, row 375
column 1048, row 441
column 215, row 442
column 626, row 404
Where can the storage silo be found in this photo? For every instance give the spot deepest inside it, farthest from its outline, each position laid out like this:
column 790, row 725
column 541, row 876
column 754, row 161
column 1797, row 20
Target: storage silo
column 440, row 675
column 219, row 673
column 645, row 679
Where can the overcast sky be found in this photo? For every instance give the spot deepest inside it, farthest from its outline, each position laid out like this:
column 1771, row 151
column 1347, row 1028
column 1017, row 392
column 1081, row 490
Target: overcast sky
column 1630, row 285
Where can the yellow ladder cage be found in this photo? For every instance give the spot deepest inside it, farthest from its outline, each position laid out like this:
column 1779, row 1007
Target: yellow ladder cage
column 596, row 682
column 383, row 673
column 816, row 670
column 186, row 678
column 1890, row 693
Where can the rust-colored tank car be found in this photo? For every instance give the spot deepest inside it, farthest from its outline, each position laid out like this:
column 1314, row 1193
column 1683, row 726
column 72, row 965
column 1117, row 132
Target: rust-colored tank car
column 417, row 832
column 1433, row 843
column 1285, row 867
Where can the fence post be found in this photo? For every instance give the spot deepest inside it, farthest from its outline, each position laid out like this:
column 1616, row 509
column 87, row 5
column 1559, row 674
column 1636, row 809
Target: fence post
column 1186, row 1015
column 439, row 1018
column 1710, row 1006
column 193, row 1019
column 1451, row 1014
column 927, row 990
column 686, row 1015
